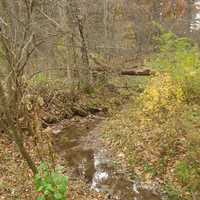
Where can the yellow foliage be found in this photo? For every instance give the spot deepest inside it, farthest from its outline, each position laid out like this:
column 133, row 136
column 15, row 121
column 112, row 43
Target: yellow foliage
column 162, row 94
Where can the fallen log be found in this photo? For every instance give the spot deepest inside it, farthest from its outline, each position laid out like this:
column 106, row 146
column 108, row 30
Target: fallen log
column 137, row 72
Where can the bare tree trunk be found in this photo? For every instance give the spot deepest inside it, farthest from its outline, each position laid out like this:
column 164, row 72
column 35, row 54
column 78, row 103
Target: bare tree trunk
column 85, row 70
column 17, row 44
column 19, row 142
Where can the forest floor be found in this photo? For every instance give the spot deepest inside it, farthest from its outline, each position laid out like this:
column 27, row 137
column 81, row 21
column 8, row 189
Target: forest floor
column 16, row 182
column 134, row 146
column 16, row 179
column 79, row 162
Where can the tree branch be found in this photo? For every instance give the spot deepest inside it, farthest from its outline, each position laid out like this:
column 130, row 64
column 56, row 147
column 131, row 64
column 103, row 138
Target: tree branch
column 24, row 50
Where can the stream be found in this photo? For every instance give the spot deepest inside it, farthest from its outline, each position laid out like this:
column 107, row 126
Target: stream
column 81, row 147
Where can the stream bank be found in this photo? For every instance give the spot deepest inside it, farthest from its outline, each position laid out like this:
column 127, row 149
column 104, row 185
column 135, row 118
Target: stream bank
column 84, row 153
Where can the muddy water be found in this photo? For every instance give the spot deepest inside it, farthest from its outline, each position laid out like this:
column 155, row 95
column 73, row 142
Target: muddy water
column 80, row 145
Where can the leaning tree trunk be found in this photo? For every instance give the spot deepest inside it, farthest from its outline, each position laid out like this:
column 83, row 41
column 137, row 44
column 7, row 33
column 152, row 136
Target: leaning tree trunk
column 19, row 142
column 86, row 72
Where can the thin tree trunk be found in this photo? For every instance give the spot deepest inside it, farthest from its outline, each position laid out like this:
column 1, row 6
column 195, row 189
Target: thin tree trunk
column 19, row 142
column 86, row 75
column 84, row 53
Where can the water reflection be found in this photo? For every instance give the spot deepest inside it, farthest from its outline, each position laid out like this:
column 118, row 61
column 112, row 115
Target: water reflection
column 82, row 151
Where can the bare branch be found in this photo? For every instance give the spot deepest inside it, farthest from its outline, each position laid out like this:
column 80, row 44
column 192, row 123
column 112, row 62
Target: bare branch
column 46, row 70
column 3, row 22
column 29, row 54
column 24, row 50
column 50, row 19
column 55, row 23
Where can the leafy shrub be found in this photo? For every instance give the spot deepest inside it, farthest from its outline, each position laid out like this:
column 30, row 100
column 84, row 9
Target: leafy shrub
column 162, row 94
column 179, row 57
column 52, row 185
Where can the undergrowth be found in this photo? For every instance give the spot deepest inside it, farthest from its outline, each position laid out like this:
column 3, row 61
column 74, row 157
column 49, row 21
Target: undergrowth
column 159, row 132
column 179, row 57
column 64, row 101
column 51, row 184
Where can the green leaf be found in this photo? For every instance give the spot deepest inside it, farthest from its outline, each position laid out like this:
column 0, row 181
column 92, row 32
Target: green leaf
column 58, row 196
column 39, row 189
column 49, row 187
column 41, row 198
column 51, row 184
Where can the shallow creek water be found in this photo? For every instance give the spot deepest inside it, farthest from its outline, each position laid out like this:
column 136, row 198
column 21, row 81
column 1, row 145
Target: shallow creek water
column 81, row 147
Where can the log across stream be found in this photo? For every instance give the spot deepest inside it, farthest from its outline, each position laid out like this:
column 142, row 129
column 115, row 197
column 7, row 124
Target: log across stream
column 82, row 148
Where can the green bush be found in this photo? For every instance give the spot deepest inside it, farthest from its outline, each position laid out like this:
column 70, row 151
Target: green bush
column 51, row 184
column 181, row 58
